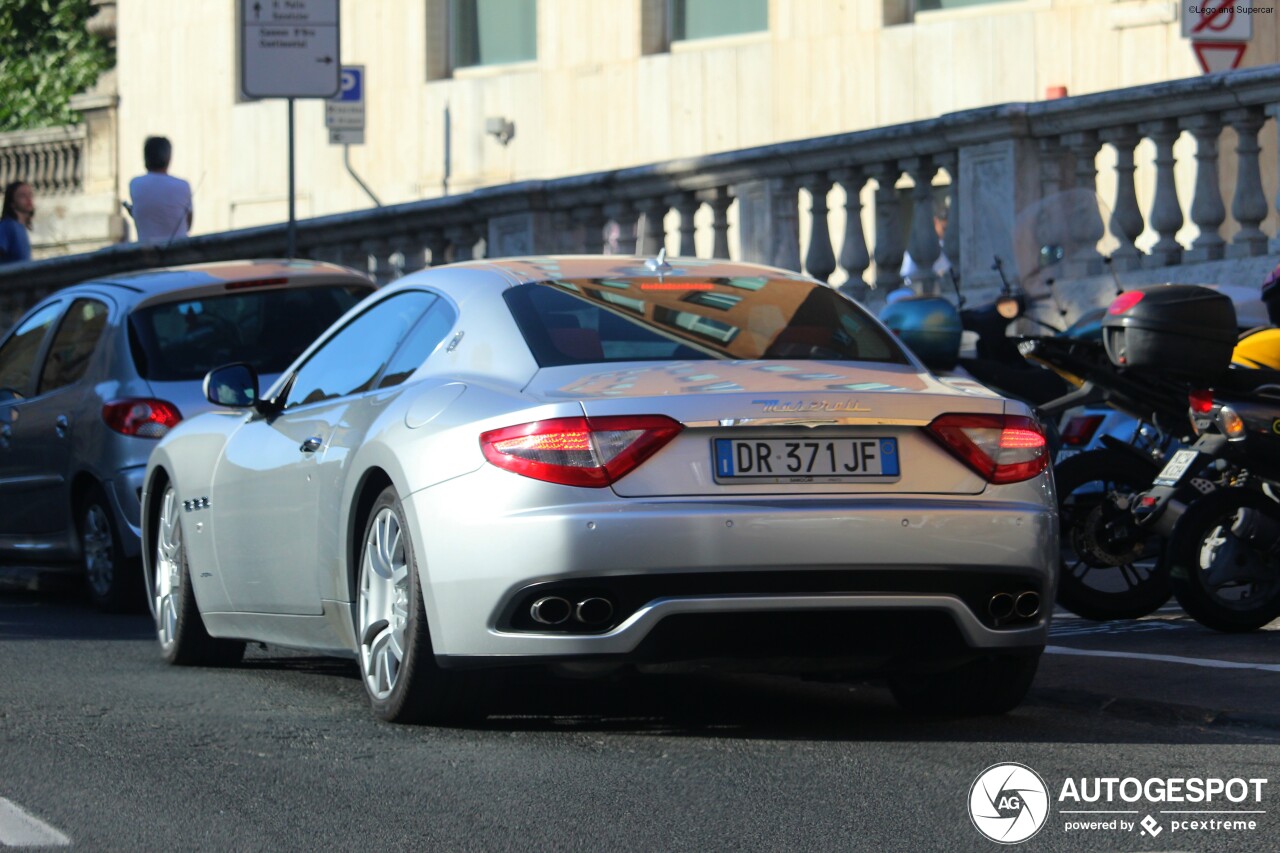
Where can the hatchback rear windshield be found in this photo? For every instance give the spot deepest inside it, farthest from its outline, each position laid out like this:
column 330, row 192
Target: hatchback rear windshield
column 585, row 321
column 185, row 339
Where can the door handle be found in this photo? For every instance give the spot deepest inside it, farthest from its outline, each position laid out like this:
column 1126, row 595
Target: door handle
column 312, row 444
column 60, row 425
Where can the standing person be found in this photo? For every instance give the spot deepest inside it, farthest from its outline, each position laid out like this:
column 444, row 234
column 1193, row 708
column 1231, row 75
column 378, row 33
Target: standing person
column 15, row 222
column 161, row 203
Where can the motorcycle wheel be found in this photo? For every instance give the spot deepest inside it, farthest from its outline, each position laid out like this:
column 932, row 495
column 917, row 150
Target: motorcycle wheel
column 1109, row 568
column 1224, row 560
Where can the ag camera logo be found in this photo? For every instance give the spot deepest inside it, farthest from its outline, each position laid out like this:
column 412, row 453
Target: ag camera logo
column 1008, row 803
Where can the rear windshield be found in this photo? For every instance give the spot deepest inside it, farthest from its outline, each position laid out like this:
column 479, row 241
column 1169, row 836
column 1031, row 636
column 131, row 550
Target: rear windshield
column 184, row 340
column 585, row 321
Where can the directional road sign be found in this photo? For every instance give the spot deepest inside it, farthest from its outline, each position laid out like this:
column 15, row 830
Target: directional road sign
column 344, row 115
column 289, row 48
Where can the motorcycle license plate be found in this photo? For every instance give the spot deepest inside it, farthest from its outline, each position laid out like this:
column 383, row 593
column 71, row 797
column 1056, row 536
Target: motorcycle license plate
column 802, row 460
column 1176, row 467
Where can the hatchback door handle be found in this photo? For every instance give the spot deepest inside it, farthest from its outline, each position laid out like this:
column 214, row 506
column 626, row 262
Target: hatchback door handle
column 312, row 444
column 60, row 425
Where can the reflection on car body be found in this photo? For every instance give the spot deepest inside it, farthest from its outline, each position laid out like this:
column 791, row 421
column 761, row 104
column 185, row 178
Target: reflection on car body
column 535, row 461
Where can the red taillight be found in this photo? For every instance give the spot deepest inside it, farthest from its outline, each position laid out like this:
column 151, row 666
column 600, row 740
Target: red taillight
column 1001, row 448
column 1201, row 402
column 1080, row 430
column 1124, row 302
column 145, row 418
column 591, row 452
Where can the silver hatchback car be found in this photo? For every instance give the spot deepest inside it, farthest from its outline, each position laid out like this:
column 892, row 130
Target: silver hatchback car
column 92, row 376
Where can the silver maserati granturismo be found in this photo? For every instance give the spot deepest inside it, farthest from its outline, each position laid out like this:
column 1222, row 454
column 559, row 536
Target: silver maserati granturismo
column 587, row 464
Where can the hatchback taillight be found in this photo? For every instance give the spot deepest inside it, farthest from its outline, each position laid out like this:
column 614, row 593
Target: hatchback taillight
column 143, row 417
column 591, row 452
column 1001, row 448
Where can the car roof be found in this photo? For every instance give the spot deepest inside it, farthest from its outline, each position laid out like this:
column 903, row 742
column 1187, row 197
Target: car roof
column 165, row 279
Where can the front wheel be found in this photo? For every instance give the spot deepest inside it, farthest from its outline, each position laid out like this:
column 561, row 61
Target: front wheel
column 179, row 627
column 992, row 685
column 1224, row 560
column 397, row 662
column 1110, row 568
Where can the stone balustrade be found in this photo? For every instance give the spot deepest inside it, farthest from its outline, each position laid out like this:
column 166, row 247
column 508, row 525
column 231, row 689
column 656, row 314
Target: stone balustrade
column 844, row 208
column 49, row 159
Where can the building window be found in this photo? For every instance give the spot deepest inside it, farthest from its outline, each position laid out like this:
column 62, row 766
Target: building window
column 492, row 32
column 700, row 19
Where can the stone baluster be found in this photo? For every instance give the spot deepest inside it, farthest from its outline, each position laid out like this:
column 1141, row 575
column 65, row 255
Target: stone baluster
column 589, row 221
column 923, row 242
column 624, row 215
column 819, row 260
column 1249, row 207
column 352, row 255
column 378, row 251
column 463, row 239
column 654, row 237
column 1166, row 211
column 687, row 205
column 412, row 252
column 1273, row 112
column 1207, row 210
column 785, row 240
column 1084, row 225
column 888, row 237
column 438, row 247
column 854, row 258
column 720, row 201
column 1126, row 216
column 949, row 161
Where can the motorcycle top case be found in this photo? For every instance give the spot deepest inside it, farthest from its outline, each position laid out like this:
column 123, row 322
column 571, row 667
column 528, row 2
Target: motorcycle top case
column 1183, row 330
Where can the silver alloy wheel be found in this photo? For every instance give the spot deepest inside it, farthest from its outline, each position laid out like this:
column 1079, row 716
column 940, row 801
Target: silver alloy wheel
column 167, row 588
column 95, row 541
column 384, row 604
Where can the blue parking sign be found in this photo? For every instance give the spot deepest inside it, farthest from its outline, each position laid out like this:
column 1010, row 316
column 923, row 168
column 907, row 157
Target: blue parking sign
column 352, row 88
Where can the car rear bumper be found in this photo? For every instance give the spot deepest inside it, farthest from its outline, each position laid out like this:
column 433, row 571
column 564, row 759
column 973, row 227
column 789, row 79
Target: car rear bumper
column 662, row 561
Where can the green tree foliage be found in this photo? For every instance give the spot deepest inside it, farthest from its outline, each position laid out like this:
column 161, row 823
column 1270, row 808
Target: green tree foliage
column 47, row 57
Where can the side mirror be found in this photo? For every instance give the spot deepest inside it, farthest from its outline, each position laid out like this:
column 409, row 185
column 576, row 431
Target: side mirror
column 234, row 385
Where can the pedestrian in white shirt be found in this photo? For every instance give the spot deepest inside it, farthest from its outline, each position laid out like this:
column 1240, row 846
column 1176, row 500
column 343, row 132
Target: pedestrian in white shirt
column 161, row 203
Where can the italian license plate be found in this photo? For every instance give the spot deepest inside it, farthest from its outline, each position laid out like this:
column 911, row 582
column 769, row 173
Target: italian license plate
column 803, row 460
column 1176, row 467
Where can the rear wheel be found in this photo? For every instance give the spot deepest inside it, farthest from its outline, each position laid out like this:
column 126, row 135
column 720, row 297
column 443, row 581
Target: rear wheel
column 991, row 685
column 1224, row 559
column 179, row 627
column 115, row 581
column 1110, row 568
column 397, row 662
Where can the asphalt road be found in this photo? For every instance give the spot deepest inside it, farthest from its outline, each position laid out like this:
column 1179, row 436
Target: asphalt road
column 106, row 748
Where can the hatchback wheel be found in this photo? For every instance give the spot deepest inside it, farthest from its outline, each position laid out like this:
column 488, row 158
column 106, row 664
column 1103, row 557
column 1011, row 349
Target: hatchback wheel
column 115, row 582
column 397, row 662
column 181, row 631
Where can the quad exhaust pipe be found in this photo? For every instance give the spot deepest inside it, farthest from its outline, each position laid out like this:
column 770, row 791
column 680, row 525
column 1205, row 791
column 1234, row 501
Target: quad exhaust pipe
column 557, row 610
column 1004, row 606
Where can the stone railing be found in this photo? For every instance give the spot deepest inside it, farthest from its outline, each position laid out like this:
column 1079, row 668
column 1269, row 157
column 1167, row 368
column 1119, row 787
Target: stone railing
column 49, row 159
column 800, row 205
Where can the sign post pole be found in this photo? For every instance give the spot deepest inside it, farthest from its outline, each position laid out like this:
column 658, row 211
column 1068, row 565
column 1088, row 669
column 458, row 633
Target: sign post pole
column 291, row 247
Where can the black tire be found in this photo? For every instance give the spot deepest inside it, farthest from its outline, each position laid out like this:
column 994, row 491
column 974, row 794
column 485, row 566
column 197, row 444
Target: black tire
column 114, row 581
column 987, row 686
column 390, row 607
column 184, row 641
column 1109, row 568
column 1224, row 578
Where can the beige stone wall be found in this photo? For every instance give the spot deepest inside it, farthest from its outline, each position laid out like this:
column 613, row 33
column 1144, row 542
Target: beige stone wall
column 594, row 100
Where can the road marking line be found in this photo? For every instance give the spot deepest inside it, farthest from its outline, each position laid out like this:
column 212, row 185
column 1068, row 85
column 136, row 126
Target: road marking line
column 1209, row 662
column 19, row 829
